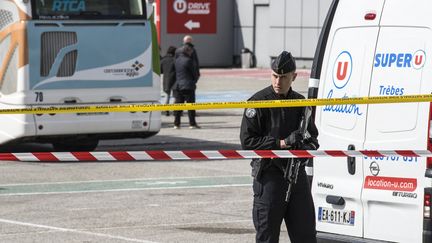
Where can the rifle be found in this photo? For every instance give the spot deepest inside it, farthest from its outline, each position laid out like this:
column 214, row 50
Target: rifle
column 292, row 169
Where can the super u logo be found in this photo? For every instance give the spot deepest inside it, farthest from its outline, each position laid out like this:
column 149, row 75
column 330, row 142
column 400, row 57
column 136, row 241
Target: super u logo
column 342, row 69
column 401, row 60
column 419, row 59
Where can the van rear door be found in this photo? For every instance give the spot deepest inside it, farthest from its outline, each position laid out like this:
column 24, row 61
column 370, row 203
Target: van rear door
column 342, row 127
column 393, row 188
column 346, row 72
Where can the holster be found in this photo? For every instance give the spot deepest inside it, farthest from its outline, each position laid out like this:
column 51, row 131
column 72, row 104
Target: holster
column 258, row 166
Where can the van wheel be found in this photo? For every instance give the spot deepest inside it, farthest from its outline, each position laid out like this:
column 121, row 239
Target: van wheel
column 78, row 145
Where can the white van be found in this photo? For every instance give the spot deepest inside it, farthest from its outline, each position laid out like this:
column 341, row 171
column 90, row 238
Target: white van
column 374, row 48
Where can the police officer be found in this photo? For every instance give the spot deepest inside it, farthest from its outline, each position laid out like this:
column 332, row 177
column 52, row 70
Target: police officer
column 278, row 129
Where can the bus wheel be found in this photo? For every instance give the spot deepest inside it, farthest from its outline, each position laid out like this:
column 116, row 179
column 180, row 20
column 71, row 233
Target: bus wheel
column 79, row 145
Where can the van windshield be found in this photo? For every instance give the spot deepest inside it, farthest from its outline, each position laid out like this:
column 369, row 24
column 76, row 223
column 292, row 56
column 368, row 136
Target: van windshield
column 88, row 9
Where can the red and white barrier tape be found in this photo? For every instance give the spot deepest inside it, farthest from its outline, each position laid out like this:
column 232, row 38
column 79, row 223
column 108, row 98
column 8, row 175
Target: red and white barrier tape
column 201, row 155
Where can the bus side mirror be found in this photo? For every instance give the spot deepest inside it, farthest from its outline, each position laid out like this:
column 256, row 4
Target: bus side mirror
column 150, row 8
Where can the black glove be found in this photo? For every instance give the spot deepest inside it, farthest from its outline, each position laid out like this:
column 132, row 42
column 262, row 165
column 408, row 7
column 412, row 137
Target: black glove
column 307, row 146
column 294, row 140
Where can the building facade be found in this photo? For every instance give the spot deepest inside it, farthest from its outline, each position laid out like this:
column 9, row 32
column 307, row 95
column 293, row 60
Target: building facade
column 223, row 29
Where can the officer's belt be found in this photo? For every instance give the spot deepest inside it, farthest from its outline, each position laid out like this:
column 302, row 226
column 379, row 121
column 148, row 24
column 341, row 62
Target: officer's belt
column 282, row 163
column 279, row 163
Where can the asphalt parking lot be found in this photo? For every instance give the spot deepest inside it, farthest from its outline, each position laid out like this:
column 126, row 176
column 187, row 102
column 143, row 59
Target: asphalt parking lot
column 152, row 201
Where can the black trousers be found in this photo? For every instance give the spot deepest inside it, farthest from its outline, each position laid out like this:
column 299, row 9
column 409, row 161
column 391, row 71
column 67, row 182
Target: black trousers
column 182, row 96
column 270, row 208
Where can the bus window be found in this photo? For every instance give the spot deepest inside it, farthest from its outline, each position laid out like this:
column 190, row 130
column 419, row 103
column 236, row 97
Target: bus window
column 86, row 9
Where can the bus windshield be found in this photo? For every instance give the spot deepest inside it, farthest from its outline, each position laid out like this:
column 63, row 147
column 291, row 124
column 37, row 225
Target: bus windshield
column 88, row 9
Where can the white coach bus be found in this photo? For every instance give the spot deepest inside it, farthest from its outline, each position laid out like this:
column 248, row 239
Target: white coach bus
column 75, row 53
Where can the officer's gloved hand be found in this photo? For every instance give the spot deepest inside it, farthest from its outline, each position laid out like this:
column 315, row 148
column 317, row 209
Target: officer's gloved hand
column 294, row 140
column 308, row 146
column 310, row 143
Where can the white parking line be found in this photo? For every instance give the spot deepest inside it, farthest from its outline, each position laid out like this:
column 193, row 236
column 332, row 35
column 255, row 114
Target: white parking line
column 122, row 190
column 128, row 179
column 73, row 231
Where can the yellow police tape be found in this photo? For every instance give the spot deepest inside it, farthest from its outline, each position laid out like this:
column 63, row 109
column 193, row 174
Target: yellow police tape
column 218, row 105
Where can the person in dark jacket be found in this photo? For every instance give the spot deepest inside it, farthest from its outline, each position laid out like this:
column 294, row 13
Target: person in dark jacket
column 185, row 86
column 187, row 41
column 278, row 129
column 169, row 74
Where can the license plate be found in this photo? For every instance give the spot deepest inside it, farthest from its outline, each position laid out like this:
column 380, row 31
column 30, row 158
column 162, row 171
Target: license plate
column 335, row 216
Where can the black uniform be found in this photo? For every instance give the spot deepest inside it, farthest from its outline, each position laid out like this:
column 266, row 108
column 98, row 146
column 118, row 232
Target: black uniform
column 263, row 128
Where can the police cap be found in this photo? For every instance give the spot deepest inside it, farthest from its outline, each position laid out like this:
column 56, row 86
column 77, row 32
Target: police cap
column 284, row 63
